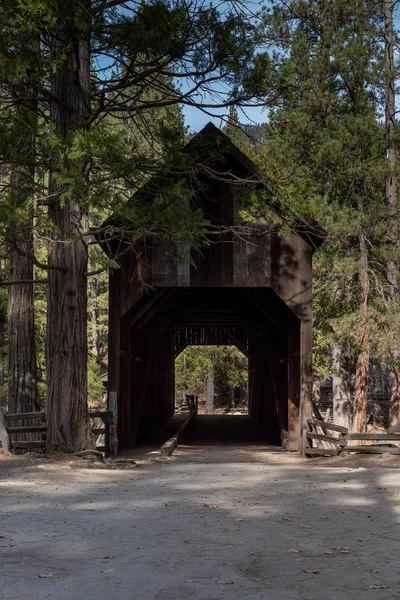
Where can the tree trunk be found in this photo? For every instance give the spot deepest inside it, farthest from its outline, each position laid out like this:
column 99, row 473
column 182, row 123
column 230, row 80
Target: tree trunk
column 341, row 388
column 392, row 265
column 232, row 404
column 362, row 367
column 94, row 287
column 22, row 378
column 3, row 434
column 3, row 349
column 66, row 343
column 209, row 407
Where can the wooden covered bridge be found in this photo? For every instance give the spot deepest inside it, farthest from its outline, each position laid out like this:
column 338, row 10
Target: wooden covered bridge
column 251, row 286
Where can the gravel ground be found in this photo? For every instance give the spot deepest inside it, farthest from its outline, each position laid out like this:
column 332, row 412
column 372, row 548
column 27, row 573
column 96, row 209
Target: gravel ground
column 211, row 523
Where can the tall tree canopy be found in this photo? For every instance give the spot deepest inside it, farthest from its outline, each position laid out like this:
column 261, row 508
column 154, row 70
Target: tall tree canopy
column 103, row 70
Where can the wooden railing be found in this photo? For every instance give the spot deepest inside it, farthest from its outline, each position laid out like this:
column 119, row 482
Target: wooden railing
column 108, row 430
column 13, row 430
column 327, row 439
column 320, row 438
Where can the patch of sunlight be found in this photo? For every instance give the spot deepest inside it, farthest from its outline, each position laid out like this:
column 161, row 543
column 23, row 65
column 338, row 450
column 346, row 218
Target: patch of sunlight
column 358, row 501
column 342, row 485
column 396, row 510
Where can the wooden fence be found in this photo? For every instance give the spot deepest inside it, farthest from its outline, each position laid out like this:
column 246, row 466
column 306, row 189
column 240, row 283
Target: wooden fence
column 327, row 439
column 15, row 429
column 26, row 423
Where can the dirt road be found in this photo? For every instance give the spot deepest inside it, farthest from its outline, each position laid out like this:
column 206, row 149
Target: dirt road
column 212, row 523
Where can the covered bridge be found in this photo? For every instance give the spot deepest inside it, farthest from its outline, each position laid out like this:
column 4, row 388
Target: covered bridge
column 251, row 286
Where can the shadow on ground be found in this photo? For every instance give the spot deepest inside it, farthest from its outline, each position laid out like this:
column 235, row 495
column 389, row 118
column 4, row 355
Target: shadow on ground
column 222, row 522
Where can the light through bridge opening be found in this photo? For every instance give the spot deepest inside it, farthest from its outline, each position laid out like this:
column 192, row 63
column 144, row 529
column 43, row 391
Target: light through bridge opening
column 212, row 378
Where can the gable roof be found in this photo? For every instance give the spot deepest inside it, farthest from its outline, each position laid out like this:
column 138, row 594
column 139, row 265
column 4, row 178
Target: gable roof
column 203, row 143
column 212, row 152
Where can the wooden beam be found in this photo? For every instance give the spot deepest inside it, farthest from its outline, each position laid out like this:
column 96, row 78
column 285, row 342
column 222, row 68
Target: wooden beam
column 372, row 436
column 265, row 307
column 325, row 438
column 33, row 429
column 98, row 431
column 152, row 306
column 24, row 445
column 372, row 449
column 105, row 415
column 28, row 415
column 325, row 425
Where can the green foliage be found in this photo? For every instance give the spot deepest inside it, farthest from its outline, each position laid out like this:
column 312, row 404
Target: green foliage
column 325, row 149
column 193, row 365
column 95, row 384
column 191, row 370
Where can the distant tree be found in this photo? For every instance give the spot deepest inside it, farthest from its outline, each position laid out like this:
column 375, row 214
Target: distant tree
column 226, row 363
column 325, row 148
column 392, row 199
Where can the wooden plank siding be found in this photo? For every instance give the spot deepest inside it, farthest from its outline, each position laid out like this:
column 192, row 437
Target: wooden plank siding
column 267, row 278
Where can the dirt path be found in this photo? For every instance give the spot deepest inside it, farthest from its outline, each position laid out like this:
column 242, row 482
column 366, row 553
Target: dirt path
column 214, row 523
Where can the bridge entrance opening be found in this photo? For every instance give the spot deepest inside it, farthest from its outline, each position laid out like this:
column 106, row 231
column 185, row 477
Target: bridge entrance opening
column 251, row 330
column 212, row 380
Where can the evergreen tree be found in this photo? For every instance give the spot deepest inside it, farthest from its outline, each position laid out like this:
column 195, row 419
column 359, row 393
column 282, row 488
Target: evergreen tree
column 392, row 263
column 104, row 62
column 325, row 147
column 20, row 76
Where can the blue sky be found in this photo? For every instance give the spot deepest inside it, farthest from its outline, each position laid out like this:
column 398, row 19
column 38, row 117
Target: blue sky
column 196, row 119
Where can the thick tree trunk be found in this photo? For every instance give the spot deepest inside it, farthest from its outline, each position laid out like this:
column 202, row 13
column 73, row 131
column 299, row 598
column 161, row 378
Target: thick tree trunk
column 66, row 344
column 22, row 378
column 362, row 367
column 210, row 388
column 341, row 388
column 3, row 356
column 392, row 264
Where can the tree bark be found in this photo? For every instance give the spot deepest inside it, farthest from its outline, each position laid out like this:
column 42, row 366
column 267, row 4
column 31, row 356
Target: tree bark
column 3, row 347
column 22, row 377
column 362, row 367
column 341, row 388
column 210, row 389
column 66, row 342
column 392, row 264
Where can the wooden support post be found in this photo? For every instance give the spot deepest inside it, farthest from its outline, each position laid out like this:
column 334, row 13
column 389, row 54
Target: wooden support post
column 3, row 434
column 111, row 441
column 106, row 440
column 293, row 387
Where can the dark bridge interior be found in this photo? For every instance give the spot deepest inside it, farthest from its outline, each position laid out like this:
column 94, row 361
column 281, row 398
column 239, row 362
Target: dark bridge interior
column 161, row 325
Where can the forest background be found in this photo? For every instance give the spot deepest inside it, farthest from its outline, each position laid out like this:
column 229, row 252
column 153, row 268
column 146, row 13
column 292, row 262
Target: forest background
column 91, row 97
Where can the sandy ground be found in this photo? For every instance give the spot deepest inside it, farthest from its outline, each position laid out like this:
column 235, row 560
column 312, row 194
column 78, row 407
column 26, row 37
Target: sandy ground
column 211, row 523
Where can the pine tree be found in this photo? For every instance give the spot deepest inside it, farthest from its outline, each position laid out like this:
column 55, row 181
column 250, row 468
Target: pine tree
column 392, row 263
column 110, row 63
column 19, row 72
column 325, row 148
